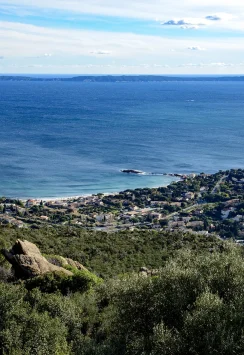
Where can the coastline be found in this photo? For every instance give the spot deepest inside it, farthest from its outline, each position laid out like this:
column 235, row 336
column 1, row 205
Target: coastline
column 83, row 196
column 175, row 178
column 179, row 206
column 66, row 198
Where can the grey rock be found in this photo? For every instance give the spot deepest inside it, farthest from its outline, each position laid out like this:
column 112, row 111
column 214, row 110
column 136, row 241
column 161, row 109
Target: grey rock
column 27, row 261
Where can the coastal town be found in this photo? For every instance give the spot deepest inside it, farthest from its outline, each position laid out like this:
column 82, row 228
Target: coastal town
column 197, row 203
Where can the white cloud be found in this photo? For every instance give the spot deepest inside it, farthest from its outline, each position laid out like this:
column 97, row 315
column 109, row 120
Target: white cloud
column 189, row 27
column 23, row 40
column 196, row 48
column 66, row 50
column 101, row 52
column 218, row 64
column 34, row 66
column 218, row 20
column 211, row 15
column 32, row 41
column 163, row 10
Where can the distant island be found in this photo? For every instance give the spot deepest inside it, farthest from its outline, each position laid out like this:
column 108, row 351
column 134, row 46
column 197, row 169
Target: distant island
column 122, row 78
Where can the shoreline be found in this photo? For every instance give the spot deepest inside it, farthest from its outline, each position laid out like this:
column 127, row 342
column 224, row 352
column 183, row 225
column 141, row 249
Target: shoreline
column 177, row 177
column 67, row 198
column 76, row 197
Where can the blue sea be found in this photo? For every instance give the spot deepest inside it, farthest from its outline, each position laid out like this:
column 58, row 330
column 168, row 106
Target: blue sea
column 61, row 139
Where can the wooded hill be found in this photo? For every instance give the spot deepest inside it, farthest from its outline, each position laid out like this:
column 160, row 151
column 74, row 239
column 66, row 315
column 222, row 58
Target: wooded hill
column 193, row 304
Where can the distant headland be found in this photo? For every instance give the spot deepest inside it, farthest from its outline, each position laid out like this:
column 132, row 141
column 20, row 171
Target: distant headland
column 121, row 78
column 139, row 172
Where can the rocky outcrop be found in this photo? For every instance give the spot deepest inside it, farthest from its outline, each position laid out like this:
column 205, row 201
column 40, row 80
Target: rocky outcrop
column 131, row 171
column 73, row 263
column 27, row 261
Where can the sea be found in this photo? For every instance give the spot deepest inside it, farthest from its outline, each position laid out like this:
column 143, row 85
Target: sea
column 60, row 139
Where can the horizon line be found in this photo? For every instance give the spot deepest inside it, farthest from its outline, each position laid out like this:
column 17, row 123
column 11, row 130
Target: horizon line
column 73, row 74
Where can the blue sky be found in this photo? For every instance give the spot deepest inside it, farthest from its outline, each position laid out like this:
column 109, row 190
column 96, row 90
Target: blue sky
column 122, row 37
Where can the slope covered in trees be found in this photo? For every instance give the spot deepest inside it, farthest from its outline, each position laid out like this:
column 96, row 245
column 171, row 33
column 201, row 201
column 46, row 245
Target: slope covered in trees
column 194, row 304
column 109, row 254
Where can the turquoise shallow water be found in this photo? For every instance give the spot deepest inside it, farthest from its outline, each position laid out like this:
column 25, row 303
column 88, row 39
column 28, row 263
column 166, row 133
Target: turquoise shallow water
column 66, row 139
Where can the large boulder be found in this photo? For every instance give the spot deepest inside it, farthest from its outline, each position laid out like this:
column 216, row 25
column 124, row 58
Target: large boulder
column 72, row 263
column 27, row 261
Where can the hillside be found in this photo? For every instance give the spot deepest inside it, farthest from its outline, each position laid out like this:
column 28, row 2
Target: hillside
column 193, row 303
column 110, row 254
column 134, row 291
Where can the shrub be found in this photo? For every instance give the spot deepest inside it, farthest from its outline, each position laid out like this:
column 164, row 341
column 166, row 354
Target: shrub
column 80, row 281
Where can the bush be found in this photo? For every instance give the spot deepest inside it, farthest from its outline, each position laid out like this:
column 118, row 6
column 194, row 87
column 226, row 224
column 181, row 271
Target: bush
column 80, row 281
column 23, row 330
column 195, row 306
column 6, row 275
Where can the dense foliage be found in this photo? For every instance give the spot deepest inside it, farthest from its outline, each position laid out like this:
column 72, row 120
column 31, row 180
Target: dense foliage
column 109, row 254
column 193, row 305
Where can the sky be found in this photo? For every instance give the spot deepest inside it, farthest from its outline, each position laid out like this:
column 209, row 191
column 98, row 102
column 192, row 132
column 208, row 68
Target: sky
column 122, row 37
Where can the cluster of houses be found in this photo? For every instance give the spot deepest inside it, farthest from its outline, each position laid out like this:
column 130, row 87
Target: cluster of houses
column 8, row 214
column 6, row 219
column 184, row 211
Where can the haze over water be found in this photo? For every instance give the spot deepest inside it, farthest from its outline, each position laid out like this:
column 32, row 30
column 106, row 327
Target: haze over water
column 71, row 138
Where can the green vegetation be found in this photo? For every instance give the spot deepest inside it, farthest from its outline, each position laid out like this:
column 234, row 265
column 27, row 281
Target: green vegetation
column 81, row 281
column 194, row 304
column 108, row 254
column 164, row 288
